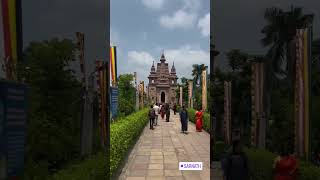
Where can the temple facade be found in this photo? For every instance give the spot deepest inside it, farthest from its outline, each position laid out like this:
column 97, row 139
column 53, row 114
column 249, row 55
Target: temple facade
column 162, row 83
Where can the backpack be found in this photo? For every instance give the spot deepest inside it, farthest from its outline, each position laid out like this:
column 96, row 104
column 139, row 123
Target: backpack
column 152, row 114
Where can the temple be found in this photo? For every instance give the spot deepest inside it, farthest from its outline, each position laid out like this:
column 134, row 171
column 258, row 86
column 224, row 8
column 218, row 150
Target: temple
column 162, row 83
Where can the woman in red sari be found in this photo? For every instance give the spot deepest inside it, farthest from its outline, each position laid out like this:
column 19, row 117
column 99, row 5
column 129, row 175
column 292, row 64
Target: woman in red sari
column 285, row 167
column 198, row 118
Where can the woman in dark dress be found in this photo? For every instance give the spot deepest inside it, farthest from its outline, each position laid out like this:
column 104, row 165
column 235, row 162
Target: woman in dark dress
column 184, row 119
column 162, row 111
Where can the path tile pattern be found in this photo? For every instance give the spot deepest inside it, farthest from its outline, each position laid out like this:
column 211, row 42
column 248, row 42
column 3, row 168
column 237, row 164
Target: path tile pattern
column 157, row 153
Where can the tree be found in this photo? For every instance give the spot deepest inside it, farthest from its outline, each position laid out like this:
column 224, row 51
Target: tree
column 127, row 94
column 236, row 59
column 279, row 34
column 185, row 89
column 53, row 133
column 197, row 72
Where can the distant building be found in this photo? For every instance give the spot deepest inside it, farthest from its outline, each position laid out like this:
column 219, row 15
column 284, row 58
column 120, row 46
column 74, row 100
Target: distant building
column 162, row 83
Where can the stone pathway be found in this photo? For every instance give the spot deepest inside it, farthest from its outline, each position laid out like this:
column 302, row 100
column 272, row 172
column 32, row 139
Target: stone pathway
column 157, row 153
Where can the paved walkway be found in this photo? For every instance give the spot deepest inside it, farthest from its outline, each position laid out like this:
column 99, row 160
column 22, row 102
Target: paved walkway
column 157, row 153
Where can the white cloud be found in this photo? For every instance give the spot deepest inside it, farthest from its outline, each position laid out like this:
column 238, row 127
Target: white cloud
column 185, row 17
column 114, row 37
column 145, row 36
column 204, row 25
column 183, row 58
column 191, row 5
column 180, row 19
column 153, row 4
column 139, row 58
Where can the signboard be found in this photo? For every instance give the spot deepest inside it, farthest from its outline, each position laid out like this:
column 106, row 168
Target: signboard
column 12, row 127
column 114, row 101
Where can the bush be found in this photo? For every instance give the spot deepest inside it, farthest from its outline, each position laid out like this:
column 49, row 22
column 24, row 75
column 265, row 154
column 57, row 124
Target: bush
column 206, row 119
column 92, row 168
column 261, row 162
column 123, row 135
column 219, row 150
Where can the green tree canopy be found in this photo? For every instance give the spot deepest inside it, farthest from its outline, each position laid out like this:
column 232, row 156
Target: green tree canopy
column 127, row 94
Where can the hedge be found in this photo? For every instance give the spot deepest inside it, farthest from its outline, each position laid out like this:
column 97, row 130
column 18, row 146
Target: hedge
column 206, row 119
column 91, row 168
column 261, row 163
column 123, row 135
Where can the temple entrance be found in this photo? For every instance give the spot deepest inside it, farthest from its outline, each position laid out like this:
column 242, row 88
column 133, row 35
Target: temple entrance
column 163, row 97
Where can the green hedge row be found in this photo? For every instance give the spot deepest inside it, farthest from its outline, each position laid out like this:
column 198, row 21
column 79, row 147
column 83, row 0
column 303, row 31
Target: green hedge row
column 206, row 119
column 92, row 168
column 123, row 135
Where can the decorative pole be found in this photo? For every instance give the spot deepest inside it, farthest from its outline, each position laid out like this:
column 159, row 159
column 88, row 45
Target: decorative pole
column 204, row 90
column 85, row 131
column 258, row 120
column 190, row 102
column 302, row 92
column 180, row 96
column 227, row 112
column 137, row 90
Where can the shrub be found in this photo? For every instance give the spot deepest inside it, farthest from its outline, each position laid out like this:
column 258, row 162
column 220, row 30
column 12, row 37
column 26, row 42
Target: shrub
column 261, row 162
column 206, row 119
column 92, row 168
column 219, row 150
column 123, row 135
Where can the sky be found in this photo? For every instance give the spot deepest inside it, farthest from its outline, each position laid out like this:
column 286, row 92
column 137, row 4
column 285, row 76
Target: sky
column 47, row 19
column 237, row 24
column 143, row 29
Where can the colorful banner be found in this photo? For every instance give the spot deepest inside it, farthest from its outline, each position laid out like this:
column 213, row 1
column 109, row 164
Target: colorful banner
column 13, row 118
column 114, row 94
column 113, row 65
column 12, row 35
column 302, row 91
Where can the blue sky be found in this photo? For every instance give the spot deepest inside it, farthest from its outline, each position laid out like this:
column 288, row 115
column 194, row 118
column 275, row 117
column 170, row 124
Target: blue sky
column 142, row 29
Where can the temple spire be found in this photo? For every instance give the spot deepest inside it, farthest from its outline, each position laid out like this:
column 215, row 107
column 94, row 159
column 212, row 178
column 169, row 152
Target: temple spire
column 162, row 59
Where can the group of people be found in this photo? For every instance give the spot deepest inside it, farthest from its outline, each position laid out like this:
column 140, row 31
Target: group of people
column 155, row 111
column 164, row 109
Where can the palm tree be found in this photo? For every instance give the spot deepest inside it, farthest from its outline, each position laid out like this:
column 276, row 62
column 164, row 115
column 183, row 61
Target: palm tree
column 279, row 35
column 236, row 59
column 197, row 72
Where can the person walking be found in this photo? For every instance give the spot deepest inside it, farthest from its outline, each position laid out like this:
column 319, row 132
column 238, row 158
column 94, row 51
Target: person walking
column 162, row 111
column 167, row 110
column 174, row 108
column 152, row 115
column 285, row 166
column 236, row 164
column 198, row 118
column 184, row 120
column 156, row 109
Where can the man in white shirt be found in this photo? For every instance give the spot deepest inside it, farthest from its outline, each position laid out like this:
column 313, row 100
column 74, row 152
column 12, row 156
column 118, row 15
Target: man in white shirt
column 156, row 109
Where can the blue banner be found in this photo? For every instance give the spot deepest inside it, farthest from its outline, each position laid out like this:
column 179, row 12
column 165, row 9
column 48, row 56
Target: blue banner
column 13, row 117
column 114, row 93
